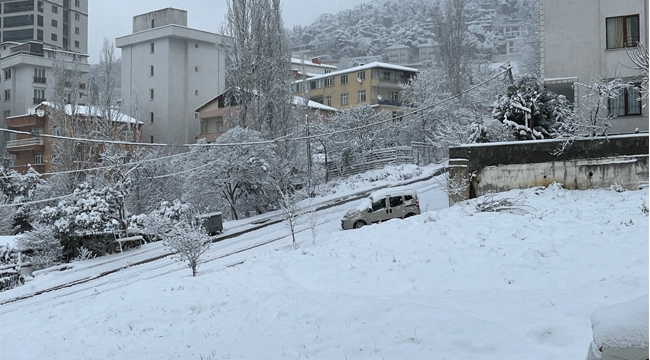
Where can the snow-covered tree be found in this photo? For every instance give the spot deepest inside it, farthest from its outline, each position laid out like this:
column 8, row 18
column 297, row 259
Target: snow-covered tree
column 41, row 244
column 530, row 110
column 189, row 243
column 450, row 34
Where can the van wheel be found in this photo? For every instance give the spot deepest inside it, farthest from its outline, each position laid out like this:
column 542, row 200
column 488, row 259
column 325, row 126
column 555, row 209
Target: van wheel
column 409, row 215
column 359, row 224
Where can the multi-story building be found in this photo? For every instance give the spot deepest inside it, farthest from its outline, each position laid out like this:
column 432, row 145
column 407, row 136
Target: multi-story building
column 399, row 54
column 168, row 70
column 593, row 49
column 376, row 84
column 309, row 68
column 61, row 24
column 33, row 32
column 36, row 150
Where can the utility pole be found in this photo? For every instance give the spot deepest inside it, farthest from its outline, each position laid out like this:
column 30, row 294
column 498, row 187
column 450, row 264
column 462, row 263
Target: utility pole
column 308, row 156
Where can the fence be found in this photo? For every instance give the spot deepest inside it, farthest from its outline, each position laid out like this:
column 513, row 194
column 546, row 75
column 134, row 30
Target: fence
column 419, row 154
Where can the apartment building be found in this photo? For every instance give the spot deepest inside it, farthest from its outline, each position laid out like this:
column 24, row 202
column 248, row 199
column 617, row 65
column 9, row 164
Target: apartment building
column 33, row 32
column 309, row 68
column 376, row 84
column 400, row 54
column 168, row 70
column 36, row 150
column 596, row 47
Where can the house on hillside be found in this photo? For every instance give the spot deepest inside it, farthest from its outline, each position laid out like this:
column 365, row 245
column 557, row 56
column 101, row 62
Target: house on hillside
column 375, row 84
column 214, row 115
column 37, row 150
column 400, row 54
column 596, row 47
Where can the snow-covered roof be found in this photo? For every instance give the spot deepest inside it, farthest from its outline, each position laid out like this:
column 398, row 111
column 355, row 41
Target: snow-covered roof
column 87, row 111
column 297, row 100
column 310, row 63
column 397, row 46
column 393, row 191
column 372, row 65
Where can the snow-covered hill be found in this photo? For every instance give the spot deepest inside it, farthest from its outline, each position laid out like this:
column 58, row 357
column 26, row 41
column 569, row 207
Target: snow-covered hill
column 449, row 284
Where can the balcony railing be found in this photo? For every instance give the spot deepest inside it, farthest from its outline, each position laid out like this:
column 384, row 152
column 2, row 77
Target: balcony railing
column 38, row 100
column 24, row 142
column 39, row 80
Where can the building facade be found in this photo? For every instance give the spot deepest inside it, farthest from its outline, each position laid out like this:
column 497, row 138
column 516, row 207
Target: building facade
column 36, row 150
column 376, row 84
column 593, row 49
column 168, row 70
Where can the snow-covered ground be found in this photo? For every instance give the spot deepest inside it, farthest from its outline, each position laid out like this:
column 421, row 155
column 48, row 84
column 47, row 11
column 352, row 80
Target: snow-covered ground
column 449, row 284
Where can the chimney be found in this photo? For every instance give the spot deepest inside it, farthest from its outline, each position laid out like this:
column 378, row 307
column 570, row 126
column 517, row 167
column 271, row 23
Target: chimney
column 315, row 61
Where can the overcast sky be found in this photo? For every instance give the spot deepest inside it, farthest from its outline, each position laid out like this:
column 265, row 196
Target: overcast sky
column 114, row 18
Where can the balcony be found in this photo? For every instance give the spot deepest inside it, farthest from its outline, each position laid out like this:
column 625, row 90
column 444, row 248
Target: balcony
column 209, row 137
column 39, row 80
column 34, row 144
column 38, row 100
column 31, row 121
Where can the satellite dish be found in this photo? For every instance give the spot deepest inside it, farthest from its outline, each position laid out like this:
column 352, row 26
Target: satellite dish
column 40, row 112
column 359, row 80
column 379, row 97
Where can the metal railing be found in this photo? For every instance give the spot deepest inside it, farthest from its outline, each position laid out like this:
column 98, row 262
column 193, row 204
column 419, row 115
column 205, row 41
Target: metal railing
column 24, row 142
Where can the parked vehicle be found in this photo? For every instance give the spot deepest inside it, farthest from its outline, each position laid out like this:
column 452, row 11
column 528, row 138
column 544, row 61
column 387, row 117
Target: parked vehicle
column 383, row 205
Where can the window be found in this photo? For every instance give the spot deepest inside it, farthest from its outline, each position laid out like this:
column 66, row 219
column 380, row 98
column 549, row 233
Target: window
column 151, row 138
column 196, row 45
column 54, row 37
column 150, row 70
column 151, row 48
column 196, row 69
column 127, row 135
column 361, row 95
column 396, row 201
column 219, row 126
column 151, row 117
column 153, row 23
column 39, row 35
column 393, row 96
column 622, row 31
column 55, row 130
column 196, row 92
column 7, row 74
column 344, row 99
column 327, row 71
column 40, row 7
column 299, row 88
column 361, row 75
column 39, row 20
column 37, row 132
column 328, row 100
column 18, row 6
column 38, row 159
column 76, row 17
column 18, row 20
column 397, row 116
column 76, row 30
column 204, row 127
column 344, row 79
column 39, row 96
column 379, row 205
column 7, row 95
column 329, row 82
column 385, row 75
column 76, row 43
column 150, row 94
column 55, row 23
column 316, row 84
column 18, row 35
column 76, row 3
column 39, row 76
column 628, row 102
column 82, row 86
column 55, row 9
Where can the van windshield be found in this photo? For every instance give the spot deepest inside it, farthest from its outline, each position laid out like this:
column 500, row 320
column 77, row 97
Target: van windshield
column 364, row 205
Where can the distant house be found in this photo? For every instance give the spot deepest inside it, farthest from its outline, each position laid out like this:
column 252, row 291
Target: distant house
column 400, row 54
column 36, row 150
column 595, row 46
column 214, row 115
column 375, row 84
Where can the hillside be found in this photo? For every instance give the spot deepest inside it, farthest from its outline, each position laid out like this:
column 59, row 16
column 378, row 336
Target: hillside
column 451, row 283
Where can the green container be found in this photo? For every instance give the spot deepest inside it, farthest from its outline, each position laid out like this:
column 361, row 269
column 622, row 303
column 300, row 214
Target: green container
column 212, row 222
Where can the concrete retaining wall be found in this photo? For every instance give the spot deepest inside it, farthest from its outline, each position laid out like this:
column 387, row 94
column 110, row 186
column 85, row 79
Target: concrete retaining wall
column 583, row 164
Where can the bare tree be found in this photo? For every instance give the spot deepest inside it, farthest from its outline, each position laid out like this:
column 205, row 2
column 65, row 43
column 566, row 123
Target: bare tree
column 189, row 242
column 639, row 57
column 290, row 210
column 450, row 33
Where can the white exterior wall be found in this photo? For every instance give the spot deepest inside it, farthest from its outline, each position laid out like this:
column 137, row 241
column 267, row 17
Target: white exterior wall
column 573, row 37
column 175, row 80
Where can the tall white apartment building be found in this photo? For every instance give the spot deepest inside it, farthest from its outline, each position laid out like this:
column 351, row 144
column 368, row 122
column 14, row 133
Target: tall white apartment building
column 168, row 70
column 33, row 33
column 584, row 41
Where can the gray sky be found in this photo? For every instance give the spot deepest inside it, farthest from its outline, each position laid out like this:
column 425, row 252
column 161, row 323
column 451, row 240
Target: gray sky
column 114, row 18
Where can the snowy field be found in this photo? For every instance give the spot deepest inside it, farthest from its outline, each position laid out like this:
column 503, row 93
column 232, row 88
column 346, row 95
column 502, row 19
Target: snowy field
column 449, row 284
